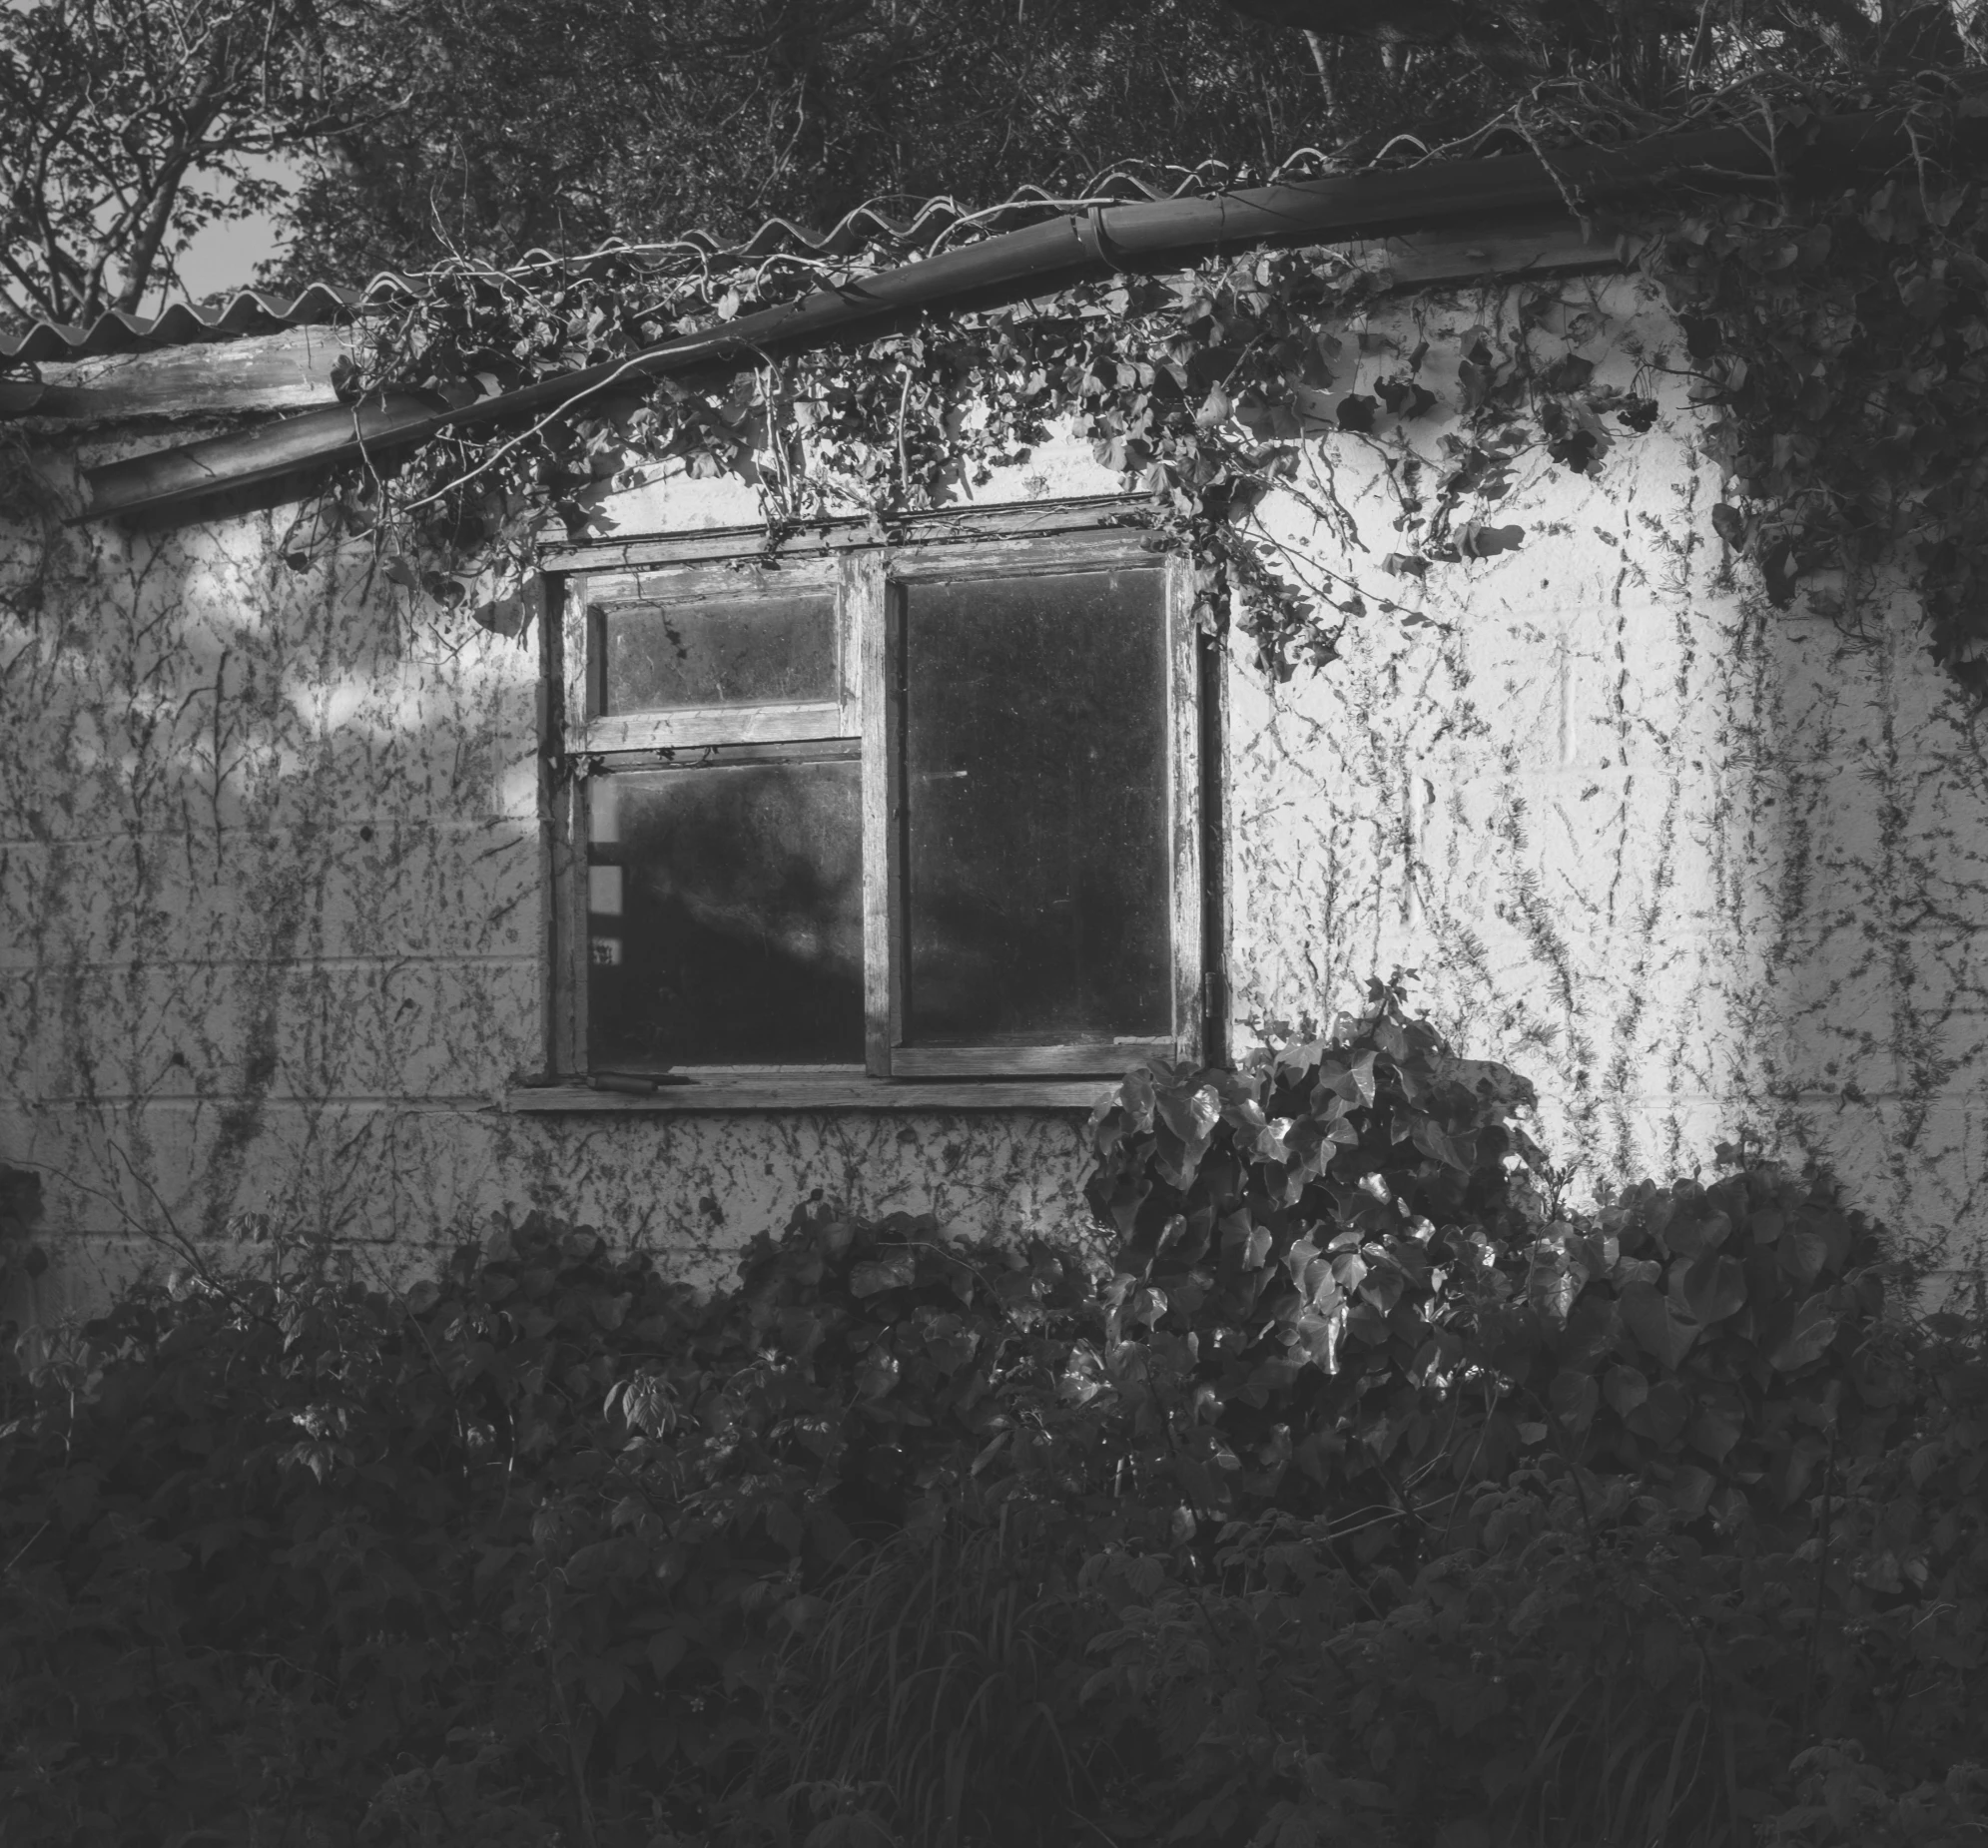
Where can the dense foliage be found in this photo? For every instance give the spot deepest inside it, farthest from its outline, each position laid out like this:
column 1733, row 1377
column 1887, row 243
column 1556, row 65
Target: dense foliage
column 129, row 126
column 1339, row 1490
column 1839, row 339
column 560, row 125
column 1846, row 344
column 1840, row 333
column 410, row 131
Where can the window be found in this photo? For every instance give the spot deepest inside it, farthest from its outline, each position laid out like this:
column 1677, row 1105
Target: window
column 929, row 810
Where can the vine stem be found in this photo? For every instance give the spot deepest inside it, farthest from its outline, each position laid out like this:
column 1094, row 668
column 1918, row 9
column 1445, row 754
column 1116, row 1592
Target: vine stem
column 578, row 1769
column 23, row 1552
column 1821, row 1585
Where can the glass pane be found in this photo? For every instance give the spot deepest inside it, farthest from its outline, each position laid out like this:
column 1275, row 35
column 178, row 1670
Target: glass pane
column 726, row 915
column 743, row 651
column 1036, row 796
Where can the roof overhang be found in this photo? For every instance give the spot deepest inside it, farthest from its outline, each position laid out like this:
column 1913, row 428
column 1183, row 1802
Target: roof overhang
column 1042, row 259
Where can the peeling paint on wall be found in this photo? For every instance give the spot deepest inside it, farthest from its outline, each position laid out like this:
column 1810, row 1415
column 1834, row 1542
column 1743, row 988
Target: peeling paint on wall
column 271, row 905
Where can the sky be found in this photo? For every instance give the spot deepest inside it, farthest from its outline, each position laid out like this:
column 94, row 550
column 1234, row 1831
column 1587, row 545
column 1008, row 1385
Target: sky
column 223, row 255
column 226, row 256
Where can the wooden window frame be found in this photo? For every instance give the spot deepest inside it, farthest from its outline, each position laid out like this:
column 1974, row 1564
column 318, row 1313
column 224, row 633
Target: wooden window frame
column 866, row 579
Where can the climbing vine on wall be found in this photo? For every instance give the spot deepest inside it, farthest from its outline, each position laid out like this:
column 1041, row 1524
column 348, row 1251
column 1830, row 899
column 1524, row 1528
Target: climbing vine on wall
column 1838, row 339
column 1844, row 342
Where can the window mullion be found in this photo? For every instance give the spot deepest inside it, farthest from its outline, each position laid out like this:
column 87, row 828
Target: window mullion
column 866, row 599
column 1184, row 789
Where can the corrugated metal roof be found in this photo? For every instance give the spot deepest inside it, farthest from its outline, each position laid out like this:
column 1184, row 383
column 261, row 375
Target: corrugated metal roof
column 249, row 310
column 927, row 225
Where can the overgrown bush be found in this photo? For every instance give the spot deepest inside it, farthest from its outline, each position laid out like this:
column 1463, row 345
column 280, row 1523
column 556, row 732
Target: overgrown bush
column 1347, row 1490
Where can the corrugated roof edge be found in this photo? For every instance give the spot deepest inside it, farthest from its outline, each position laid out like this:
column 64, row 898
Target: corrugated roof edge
column 184, row 323
column 928, row 222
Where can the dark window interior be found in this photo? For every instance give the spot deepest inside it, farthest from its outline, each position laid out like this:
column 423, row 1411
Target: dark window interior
column 726, row 912
column 1035, row 809
column 752, row 650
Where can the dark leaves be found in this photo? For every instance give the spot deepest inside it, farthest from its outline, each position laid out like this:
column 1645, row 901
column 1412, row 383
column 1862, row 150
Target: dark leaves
column 1356, row 412
column 1703, row 335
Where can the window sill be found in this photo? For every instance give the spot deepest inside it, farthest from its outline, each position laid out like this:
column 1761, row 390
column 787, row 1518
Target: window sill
column 765, row 1091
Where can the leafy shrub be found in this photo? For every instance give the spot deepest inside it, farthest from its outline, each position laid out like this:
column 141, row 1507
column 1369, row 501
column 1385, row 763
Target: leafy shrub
column 934, row 1699
column 1347, row 1490
column 20, row 1215
column 1350, row 1243
column 1567, row 1674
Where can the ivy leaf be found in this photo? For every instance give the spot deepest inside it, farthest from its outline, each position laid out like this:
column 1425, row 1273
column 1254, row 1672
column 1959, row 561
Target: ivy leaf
column 1814, row 1329
column 605, row 1682
column 1654, row 1324
column 879, row 1376
column 1356, row 412
column 1477, row 542
column 1690, row 1490
column 1577, row 450
column 1729, row 524
column 1575, row 1398
column 889, row 1271
column 1661, row 1416
column 1713, row 1288
column 1626, row 1388
column 1802, row 1253
column 1456, row 1152
column 1715, row 1430
column 1703, row 335
column 667, row 1647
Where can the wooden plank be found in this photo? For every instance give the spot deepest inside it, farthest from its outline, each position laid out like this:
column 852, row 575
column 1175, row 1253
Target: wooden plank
column 563, row 940
column 1109, row 1058
column 1185, row 777
column 287, row 370
column 856, row 1092
column 571, row 950
column 929, row 526
column 1542, row 243
column 1217, row 799
column 1032, row 556
column 25, row 398
column 852, row 616
column 740, row 571
column 716, row 725
column 876, row 641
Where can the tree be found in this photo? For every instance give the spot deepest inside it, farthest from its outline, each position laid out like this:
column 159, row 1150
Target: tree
column 488, row 127
column 541, row 122
column 127, row 125
column 545, row 122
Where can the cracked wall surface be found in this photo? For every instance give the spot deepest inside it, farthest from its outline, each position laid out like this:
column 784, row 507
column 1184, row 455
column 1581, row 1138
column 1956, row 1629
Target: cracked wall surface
column 272, row 874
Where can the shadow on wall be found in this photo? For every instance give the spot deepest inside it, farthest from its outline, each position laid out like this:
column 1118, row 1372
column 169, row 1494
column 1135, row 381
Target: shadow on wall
column 270, row 927
column 1690, row 863
column 270, row 901
column 271, row 862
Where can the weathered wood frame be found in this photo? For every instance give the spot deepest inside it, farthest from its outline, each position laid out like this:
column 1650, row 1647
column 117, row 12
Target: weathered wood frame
column 891, row 1055
column 864, row 580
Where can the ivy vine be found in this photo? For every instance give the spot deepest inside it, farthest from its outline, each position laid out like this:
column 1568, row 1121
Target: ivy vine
column 1839, row 340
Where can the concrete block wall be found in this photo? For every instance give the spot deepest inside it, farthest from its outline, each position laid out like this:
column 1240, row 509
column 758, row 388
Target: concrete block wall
column 272, row 876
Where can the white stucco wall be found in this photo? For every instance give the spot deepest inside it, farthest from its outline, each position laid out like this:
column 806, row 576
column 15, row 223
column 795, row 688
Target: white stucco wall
column 271, row 878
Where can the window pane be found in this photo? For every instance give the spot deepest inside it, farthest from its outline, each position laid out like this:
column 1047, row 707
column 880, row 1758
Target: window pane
column 746, row 651
column 1035, row 793
column 726, row 919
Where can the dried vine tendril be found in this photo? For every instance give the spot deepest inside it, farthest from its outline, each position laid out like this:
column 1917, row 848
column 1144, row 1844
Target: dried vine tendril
column 1839, row 340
